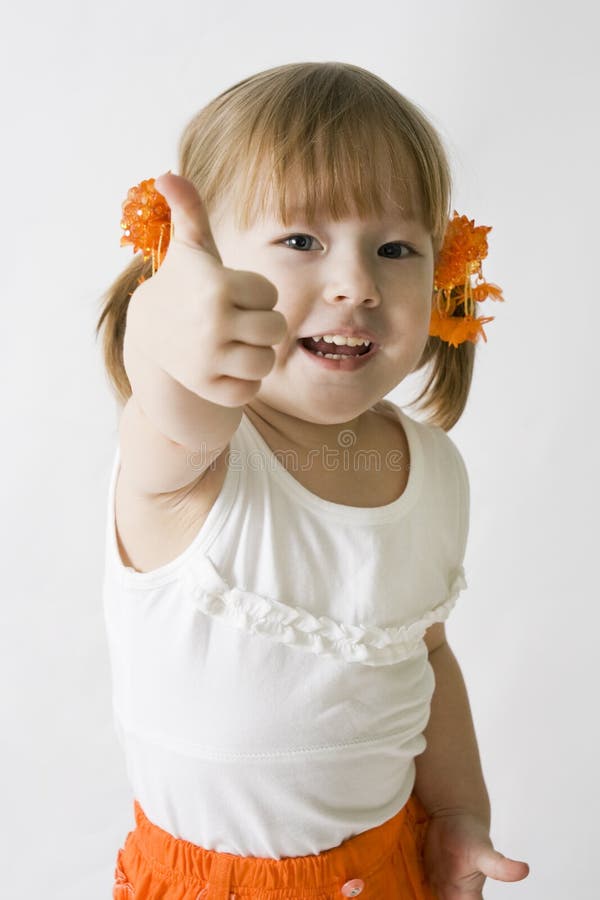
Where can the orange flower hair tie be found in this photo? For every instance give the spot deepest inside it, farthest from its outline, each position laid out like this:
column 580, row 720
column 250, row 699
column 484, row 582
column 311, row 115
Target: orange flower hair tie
column 146, row 223
column 147, row 226
column 463, row 249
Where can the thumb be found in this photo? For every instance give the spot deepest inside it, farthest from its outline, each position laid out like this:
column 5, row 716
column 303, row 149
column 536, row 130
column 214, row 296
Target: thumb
column 188, row 213
column 495, row 865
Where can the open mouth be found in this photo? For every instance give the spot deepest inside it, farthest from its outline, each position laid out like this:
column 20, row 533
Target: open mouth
column 335, row 351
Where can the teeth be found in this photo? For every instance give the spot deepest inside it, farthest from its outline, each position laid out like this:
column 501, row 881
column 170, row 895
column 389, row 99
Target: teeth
column 332, row 355
column 340, row 340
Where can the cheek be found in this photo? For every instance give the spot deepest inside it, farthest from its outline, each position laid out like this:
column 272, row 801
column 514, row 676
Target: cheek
column 413, row 310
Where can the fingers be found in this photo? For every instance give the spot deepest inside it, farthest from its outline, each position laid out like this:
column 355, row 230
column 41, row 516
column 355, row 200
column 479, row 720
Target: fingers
column 251, row 290
column 188, row 213
column 238, row 360
column 262, row 328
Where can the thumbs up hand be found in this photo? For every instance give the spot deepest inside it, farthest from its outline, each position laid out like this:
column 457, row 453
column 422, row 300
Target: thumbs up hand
column 209, row 327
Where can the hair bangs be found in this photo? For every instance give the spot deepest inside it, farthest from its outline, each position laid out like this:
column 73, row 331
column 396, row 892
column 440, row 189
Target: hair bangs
column 343, row 173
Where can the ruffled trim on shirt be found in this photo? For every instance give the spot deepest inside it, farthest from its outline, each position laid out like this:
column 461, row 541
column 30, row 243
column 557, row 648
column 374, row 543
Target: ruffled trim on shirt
column 255, row 613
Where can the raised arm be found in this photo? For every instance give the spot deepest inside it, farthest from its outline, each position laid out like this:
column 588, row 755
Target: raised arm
column 198, row 341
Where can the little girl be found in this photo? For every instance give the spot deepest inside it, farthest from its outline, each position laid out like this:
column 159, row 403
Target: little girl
column 284, row 544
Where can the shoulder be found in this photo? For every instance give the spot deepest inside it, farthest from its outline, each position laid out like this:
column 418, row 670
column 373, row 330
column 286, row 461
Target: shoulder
column 434, row 440
column 450, row 451
column 451, row 464
column 442, row 456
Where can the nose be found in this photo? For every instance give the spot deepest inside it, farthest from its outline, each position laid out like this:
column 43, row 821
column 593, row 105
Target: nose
column 353, row 283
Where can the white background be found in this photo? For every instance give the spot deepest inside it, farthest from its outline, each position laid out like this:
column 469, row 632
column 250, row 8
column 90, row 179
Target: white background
column 94, row 100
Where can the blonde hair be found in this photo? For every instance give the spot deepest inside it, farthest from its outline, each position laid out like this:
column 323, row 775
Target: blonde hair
column 343, row 140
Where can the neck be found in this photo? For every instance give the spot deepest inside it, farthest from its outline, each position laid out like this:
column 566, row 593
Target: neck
column 289, row 431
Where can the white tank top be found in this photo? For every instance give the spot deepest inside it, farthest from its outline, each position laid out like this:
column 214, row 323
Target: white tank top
column 271, row 684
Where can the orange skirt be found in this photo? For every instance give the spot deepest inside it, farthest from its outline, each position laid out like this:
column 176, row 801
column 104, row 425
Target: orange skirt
column 383, row 863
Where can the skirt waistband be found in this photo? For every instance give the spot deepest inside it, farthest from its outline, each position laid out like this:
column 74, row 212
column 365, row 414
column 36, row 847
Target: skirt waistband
column 355, row 859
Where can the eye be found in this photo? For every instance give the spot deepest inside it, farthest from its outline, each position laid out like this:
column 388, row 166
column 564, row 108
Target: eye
column 301, row 241
column 394, row 247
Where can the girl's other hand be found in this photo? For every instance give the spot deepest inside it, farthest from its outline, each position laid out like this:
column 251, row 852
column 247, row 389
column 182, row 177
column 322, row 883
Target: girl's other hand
column 459, row 855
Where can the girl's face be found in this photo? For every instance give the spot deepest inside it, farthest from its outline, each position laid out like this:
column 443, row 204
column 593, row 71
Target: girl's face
column 374, row 274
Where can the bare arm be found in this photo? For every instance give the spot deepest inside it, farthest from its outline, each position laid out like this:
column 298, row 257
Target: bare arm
column 449, row 774
column 168, row 435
